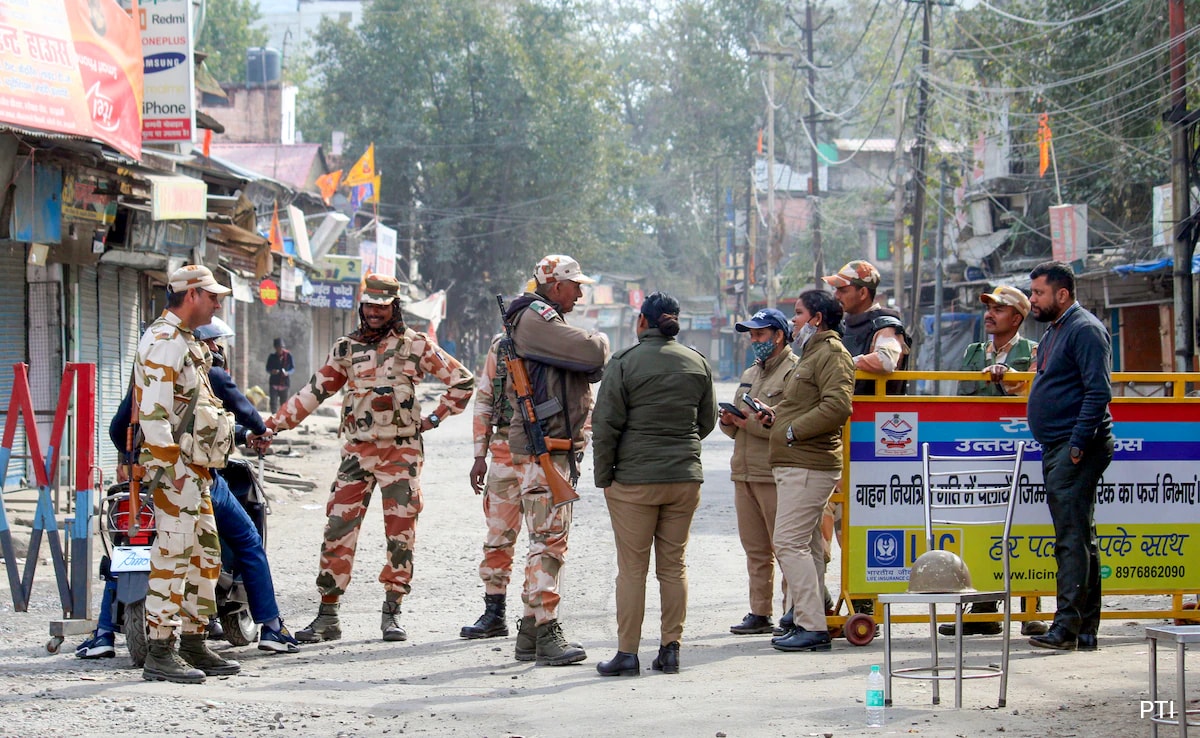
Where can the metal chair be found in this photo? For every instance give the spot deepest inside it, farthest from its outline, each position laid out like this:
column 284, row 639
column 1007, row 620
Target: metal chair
column 992, row 502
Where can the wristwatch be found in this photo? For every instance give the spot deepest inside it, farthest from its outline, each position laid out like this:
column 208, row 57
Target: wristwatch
column 1076, row 453
column 434, row 420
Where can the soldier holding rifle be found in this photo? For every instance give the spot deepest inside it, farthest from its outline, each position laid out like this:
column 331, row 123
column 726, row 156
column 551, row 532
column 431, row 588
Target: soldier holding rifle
column 561, row 362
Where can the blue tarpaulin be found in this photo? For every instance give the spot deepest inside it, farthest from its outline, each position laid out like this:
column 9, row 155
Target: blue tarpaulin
column 1153, row 266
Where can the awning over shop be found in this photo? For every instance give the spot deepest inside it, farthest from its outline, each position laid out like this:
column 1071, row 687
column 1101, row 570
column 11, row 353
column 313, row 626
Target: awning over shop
column 975, row 249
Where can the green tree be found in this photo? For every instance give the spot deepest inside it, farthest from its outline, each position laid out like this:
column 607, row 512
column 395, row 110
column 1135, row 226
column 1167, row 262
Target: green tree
column 494, row 135
column 229, row 29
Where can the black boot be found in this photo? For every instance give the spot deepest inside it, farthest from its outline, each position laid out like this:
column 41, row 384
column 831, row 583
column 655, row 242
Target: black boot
column 667, row 660
column 491, row 623
column 786, row 624
column 623, row 664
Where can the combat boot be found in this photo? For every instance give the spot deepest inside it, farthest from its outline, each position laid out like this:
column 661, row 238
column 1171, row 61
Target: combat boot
column 163, row 664
column 491, row 623
column 526, row 649
column 552, row 646
column 325, row 627
column 193, row 648
column 389, row 622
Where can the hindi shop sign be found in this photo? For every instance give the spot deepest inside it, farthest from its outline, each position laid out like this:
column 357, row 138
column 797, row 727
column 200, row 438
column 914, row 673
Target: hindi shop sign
column 73, row 67
column 337, row 295
column 1147, row 508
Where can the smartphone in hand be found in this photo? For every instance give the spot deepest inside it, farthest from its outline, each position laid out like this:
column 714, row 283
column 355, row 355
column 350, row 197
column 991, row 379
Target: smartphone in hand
column 752, row 403
column 729, row 408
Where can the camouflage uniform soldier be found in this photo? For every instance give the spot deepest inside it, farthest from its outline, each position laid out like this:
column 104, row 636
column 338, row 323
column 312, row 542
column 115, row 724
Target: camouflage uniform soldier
column 562, row 362
column 501, row 494
column 380, row 364
column 186, row 431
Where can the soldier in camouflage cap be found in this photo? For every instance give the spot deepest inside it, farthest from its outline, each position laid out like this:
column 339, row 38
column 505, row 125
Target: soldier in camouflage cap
column 380, row 365
column 562, row 361
column 186, row 432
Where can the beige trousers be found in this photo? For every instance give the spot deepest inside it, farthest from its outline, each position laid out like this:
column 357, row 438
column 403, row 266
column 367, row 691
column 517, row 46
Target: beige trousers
column 799, row 545
column 755, row 503
column 645, row 515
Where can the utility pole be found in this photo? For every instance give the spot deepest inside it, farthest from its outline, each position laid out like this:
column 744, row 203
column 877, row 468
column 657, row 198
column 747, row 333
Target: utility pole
column 938, row 287
column 898, row 208
column 772, row 55
column 771, row 298
column 1181, row 207
column 919, row 159
column 814, row 181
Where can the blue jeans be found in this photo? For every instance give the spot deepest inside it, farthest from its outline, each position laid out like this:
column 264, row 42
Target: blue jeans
column 1071, row 496
column 243, row 547
column 240, row 545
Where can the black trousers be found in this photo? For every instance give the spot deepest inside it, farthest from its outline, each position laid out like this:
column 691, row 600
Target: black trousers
column 278, row 397
column 1071, row 496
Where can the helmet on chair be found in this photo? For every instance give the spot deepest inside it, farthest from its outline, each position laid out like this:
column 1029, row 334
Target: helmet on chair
column 217, row 329
column 939, row 572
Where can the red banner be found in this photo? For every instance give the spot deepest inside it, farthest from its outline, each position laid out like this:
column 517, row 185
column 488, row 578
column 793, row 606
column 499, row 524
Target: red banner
column 74, row 67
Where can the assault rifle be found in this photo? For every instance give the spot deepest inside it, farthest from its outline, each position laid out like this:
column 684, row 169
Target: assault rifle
column 561, row 489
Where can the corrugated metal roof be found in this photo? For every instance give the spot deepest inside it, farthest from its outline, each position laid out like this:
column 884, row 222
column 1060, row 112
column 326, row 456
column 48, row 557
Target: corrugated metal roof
column 888, row 145
column 292, row 164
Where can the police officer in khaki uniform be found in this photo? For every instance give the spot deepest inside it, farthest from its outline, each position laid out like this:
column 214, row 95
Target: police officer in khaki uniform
column 754, row 494
column 380, row 364
column 186, row 433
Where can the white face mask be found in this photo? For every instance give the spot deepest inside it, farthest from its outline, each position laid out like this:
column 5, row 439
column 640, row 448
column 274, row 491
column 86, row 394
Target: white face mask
column 807, row 331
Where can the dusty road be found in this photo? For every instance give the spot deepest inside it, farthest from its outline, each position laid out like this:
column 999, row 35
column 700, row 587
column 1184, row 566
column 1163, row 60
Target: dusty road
column 438, row 685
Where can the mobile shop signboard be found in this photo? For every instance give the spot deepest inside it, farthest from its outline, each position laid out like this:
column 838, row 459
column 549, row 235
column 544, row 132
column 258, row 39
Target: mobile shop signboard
column 169, row 110
column 1147, row 518
column 73, row 67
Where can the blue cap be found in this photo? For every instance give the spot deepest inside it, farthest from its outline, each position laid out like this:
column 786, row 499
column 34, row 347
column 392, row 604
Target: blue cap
column 768, row 318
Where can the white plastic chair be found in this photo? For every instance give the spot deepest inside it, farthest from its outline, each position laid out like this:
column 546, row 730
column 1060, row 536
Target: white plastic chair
column 943, row 505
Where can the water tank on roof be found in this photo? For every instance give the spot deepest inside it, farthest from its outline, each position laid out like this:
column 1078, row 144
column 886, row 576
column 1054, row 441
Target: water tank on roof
column 264, row 66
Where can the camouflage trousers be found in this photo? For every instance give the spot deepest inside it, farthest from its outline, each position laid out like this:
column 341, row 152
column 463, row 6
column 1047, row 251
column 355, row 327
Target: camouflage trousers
column 185, row 560
column 548, row 529
column 502, row 511
column 396, row 467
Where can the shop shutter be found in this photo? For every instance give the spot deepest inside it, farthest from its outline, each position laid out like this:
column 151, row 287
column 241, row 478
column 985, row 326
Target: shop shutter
column 12, row 342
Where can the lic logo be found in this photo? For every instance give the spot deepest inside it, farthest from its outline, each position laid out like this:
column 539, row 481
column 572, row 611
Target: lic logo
column 885, row 548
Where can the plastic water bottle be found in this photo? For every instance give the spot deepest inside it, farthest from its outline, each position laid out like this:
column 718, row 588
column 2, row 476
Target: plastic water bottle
column 874, row 698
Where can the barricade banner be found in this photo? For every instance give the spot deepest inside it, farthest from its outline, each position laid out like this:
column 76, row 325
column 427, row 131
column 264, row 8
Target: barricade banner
column 1147, row 516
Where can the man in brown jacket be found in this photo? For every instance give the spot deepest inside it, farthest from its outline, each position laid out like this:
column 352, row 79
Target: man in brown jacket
column 753, row 484
column 562, row 362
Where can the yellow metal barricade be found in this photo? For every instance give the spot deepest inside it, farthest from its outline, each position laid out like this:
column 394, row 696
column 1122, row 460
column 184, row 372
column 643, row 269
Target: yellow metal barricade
column 1147, row 511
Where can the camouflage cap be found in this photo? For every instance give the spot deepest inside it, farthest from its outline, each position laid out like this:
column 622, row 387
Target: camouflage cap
column 560, row 268
column 858, row 273
column 196, row 277
column 380, row 289
column 1006, row 295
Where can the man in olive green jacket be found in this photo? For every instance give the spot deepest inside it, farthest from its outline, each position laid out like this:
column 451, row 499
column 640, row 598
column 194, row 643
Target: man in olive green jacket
column 753, row 484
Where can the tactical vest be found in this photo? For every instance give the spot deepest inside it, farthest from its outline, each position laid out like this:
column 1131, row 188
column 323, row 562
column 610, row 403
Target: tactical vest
column 859, row 337
column 502, row 410
column 381, row 402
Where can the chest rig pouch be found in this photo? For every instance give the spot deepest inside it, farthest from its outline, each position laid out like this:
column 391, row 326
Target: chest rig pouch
column 381, row 401
column 208, row 439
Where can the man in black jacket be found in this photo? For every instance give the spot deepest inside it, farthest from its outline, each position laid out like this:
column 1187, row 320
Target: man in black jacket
column 1068, row 415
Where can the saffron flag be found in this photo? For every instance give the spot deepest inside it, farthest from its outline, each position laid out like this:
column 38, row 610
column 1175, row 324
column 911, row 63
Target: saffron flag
column 328, row 184
column 206, row 149
column 363, row 170
column 760, row 135
column 1043, row 139
column 276, row 234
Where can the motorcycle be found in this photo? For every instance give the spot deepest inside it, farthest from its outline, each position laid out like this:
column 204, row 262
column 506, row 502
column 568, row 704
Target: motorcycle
column 127, row 560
